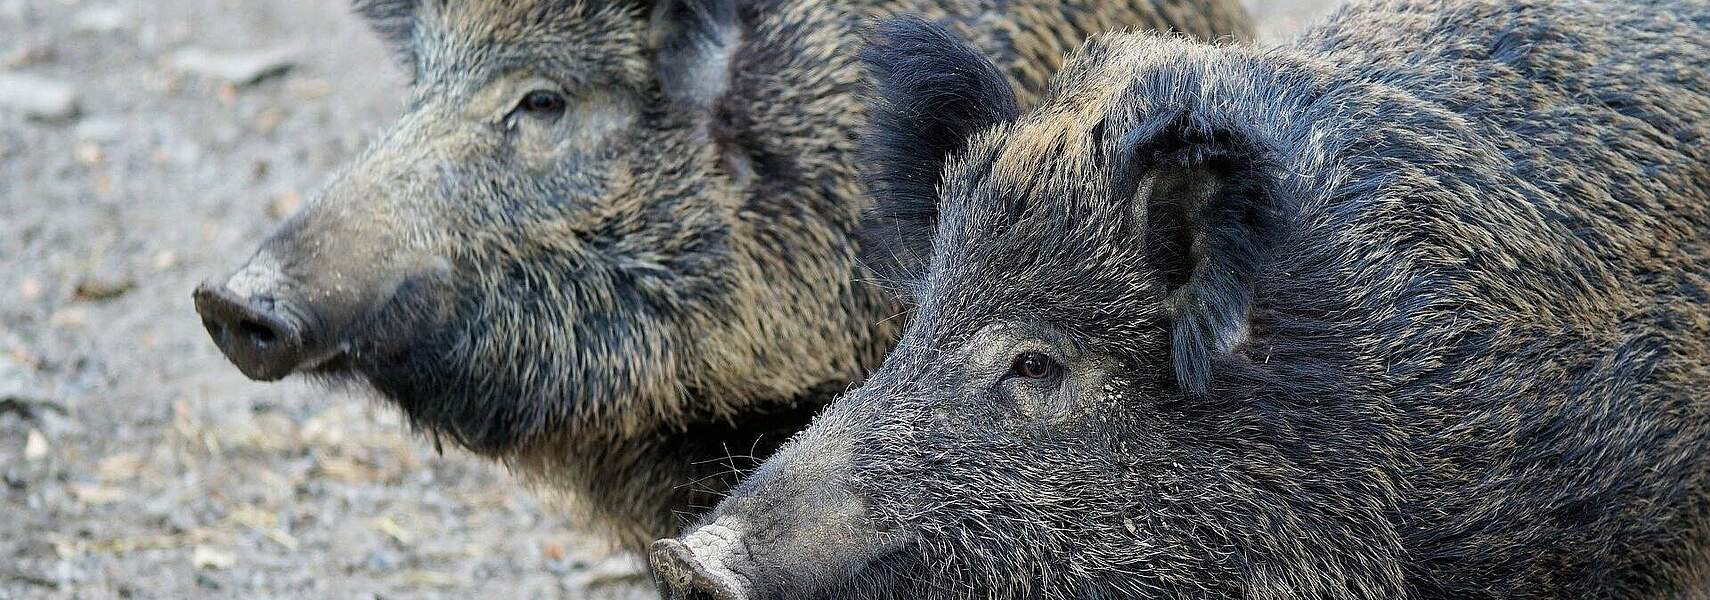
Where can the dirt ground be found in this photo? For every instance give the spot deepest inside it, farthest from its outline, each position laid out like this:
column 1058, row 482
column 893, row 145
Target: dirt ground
column 135, row 461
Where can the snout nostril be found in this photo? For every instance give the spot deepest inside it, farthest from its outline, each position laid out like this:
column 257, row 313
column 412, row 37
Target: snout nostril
column 261, row 335
column 252, row 331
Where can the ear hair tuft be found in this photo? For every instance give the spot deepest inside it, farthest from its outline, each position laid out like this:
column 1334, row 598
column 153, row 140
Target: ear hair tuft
column 932, row 91
column 394, row 21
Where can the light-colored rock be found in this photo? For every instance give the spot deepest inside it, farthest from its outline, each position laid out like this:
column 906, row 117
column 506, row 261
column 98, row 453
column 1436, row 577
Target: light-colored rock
column 101, row 19
column 100, row 129
column 37, row 97
column 208, row 557
column 241, row 67
column 35, row 446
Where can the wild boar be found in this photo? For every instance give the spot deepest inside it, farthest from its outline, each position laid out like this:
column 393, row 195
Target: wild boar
column 1416, row 307
column 610, row 242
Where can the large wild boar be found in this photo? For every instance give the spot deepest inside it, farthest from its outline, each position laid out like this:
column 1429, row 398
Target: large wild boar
column 610, row 242
column 1417, row 307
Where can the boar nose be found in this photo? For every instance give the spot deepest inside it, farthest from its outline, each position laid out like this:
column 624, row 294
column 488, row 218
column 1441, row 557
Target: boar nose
column 686, row 575
column 250, row 325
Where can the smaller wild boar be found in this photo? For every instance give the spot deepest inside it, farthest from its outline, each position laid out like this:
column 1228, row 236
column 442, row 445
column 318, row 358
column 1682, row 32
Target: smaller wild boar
column 1418, row 307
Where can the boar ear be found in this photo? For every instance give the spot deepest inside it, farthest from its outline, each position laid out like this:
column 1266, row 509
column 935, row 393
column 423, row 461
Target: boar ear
column 393, row 20
column 693, row 42
column 933, row 92
column 1209, row 219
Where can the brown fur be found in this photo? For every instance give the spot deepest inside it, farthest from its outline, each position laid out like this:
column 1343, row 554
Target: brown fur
column 633, row 300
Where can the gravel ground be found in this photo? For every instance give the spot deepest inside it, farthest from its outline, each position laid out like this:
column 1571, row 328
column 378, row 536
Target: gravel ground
column 143, row 146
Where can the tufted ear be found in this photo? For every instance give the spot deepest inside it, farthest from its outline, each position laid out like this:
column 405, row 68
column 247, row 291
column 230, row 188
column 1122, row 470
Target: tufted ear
column 394, row 21
column 934, row 91
column 1209, row 217
column 694, row 41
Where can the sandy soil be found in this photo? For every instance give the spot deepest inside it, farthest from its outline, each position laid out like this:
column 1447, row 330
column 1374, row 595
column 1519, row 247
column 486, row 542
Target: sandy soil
column 135, row 461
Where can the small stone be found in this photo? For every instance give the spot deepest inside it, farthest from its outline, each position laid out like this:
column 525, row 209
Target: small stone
column 284, row 205
column 26, row 55
column 37, row 97
column 30, row 289
column 239, row 67
column 208, row 557
column 89, row 155
column 95, row 494
column 167, row 259
column 268, row 121
column 308, row 89
column 35, row 446
column 69, row 318
column 100, row 19
column 119, row 467
column 100, row 129
column 98, row 287
column 227, row 95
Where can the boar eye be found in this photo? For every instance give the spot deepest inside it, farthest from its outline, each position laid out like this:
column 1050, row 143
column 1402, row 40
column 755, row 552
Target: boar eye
column 543, row 103
column 1033, row 365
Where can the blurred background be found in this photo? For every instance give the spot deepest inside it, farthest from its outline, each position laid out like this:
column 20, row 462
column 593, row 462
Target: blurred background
column 144, row 145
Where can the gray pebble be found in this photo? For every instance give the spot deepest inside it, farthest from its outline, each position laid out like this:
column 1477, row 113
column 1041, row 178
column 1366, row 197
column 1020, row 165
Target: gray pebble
column 37, row 97
column 239, row 67
column 101, row 19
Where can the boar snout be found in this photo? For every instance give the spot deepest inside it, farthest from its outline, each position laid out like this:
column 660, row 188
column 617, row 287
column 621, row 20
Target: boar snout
column 323, row 279
column 796, row 528
column 251, row 323
column 700, row 566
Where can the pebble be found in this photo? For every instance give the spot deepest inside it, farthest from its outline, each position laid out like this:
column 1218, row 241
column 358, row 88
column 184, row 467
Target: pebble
column 100, row 19
column 37, row 97
column 103, row 287
column 35, row 446
column 240, row 67
column 208, row 557
column 100, row 129
column 284, row 205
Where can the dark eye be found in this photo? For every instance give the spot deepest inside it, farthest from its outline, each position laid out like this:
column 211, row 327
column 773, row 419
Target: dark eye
column 543, row 103
column 1033, row 365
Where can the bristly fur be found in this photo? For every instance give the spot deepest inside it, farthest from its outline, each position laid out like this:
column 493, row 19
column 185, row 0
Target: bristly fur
column 932, row 92
column 639, row 295
column 1445, row 269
